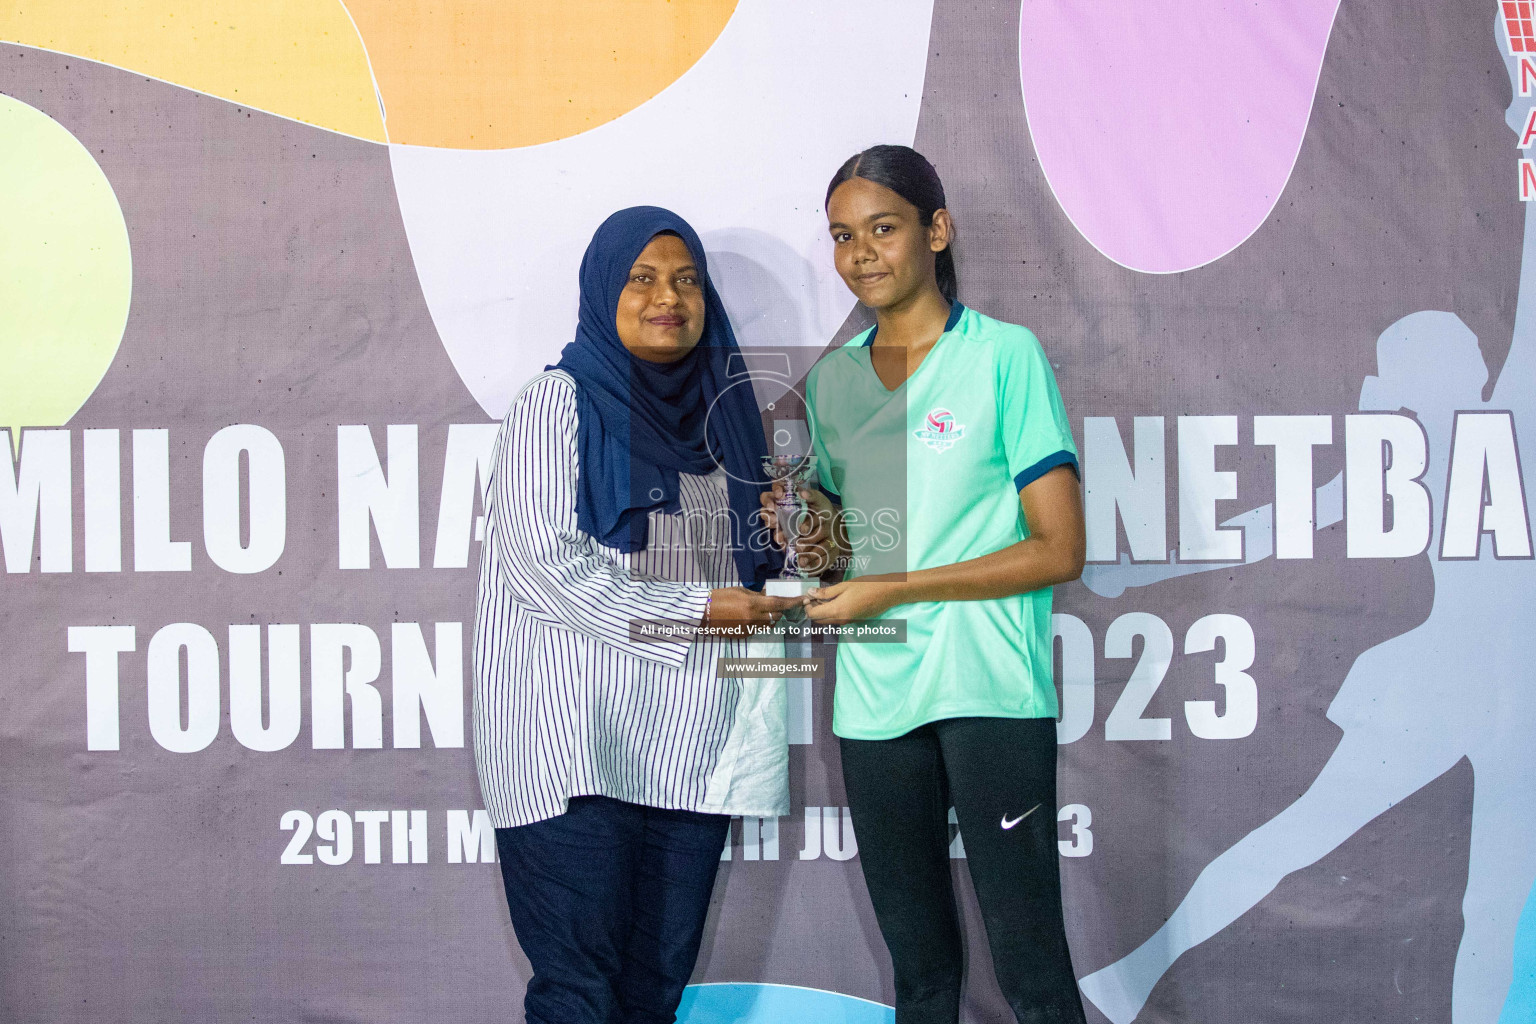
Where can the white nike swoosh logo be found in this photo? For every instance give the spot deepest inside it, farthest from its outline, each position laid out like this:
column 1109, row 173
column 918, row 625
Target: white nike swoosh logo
column 1009, row 824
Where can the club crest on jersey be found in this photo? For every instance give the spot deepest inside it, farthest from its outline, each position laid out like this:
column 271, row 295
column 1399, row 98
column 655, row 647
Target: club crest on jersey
column 941, row 431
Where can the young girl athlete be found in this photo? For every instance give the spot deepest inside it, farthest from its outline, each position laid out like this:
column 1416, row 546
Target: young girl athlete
column 966, row 409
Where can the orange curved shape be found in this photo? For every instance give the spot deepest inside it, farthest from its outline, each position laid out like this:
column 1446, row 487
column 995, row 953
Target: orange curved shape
column 497, row 74
column 301, row 59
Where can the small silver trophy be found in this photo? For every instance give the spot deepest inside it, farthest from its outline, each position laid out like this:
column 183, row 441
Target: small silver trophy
column 793, row 514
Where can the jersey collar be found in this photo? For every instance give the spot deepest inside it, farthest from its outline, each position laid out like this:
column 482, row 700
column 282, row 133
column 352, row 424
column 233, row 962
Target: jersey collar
column 955, row 312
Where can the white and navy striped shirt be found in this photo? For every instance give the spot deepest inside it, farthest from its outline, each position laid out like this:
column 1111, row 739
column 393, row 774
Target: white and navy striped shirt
column 567, row 702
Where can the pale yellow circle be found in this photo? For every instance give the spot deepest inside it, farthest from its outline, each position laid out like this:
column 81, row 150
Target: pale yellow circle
column 66, row 273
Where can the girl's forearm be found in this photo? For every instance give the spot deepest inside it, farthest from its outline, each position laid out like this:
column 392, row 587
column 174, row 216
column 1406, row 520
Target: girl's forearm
column 1031, row 564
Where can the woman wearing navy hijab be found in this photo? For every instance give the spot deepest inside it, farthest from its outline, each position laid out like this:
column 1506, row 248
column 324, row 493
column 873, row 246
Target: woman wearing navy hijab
column 624, row 489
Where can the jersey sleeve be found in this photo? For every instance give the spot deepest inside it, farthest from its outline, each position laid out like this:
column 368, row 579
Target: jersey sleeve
column 1035, row 433
column 824, row 480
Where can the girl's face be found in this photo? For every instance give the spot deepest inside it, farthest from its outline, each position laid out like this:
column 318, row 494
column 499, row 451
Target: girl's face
column 879, row 245
column 660, row 317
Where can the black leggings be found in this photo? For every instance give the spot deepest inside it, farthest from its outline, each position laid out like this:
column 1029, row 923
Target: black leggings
column 993, row 770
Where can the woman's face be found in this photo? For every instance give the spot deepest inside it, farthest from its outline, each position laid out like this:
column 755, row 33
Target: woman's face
column 879, row 245
column 661, row 309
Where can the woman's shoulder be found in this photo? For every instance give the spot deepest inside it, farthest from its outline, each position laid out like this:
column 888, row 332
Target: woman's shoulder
column 551, row 389
column 544, row 407
column 553, row 381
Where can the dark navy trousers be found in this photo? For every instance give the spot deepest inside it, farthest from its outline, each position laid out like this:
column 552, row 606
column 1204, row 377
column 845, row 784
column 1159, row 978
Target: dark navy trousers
column 608, row 901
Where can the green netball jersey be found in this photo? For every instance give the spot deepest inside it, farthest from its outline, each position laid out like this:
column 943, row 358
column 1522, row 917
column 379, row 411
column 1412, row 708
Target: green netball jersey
column 929, row 474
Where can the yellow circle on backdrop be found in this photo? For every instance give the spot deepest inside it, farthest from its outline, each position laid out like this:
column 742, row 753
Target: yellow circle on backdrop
column 66, row 273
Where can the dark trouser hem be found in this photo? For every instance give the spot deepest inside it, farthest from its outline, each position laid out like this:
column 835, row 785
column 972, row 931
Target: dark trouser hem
column 608, row 902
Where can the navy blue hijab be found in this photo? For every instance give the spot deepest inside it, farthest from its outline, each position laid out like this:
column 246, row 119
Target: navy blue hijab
column 641, row 423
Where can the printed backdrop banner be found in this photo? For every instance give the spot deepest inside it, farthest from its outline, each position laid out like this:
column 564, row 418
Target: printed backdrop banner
column 270, row 273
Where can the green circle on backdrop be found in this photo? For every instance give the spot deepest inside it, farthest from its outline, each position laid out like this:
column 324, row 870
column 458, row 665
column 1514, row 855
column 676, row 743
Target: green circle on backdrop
column 66, row 273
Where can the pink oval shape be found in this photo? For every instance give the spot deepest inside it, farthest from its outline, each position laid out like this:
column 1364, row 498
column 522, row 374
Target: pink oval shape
column 1167, row 129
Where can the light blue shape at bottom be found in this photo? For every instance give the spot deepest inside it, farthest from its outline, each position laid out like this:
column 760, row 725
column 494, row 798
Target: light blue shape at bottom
column 776, row 1004
column 1520, row 1006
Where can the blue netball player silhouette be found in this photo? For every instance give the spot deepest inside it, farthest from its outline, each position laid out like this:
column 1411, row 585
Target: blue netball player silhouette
column 1412, row 707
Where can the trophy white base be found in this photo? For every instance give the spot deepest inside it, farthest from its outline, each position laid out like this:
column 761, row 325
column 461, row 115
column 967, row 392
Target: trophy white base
column 800, row 648
column 790, row 588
